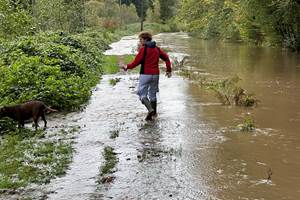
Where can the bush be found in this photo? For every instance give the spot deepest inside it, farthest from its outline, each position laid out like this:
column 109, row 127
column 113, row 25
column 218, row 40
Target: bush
column 247, row 125
column 56, row 68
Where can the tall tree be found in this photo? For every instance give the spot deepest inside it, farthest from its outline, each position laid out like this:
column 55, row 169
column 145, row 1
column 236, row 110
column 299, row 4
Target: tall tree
column 153, row 14
column 15, row 20
column 75, row 10
column 138, row 5
column 167, row 9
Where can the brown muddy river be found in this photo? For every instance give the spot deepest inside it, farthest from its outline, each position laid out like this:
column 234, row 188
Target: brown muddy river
column 241, row 163
column 193, row 150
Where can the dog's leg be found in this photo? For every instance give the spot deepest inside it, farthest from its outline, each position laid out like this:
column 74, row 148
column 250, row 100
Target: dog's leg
column 20, row 126
column 44, row 119
column 35, row 120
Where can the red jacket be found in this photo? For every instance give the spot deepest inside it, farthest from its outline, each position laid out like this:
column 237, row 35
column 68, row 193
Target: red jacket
column 153, row 53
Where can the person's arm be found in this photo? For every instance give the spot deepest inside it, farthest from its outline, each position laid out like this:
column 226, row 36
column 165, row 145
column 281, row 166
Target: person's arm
column 166, row 58
column 137, row 60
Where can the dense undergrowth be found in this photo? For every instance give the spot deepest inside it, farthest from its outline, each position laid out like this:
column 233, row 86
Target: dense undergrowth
column 56, row 68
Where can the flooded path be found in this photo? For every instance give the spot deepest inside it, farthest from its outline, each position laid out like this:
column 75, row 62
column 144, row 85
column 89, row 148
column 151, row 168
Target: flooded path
column 155, row 159
column 192, row 150
column 151, row 164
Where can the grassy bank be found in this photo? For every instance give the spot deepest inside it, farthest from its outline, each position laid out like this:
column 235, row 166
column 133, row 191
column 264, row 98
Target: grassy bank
column 111, row 63
column 32, row 157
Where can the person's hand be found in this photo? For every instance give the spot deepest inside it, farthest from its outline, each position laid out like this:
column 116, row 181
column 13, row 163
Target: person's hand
column 122, row 66
column 168, row 74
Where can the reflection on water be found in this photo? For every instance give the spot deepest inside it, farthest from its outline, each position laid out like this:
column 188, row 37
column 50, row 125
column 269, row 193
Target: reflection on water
column 243, row 162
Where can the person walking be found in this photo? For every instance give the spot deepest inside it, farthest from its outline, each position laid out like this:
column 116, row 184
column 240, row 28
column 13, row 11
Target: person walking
column 148, row 57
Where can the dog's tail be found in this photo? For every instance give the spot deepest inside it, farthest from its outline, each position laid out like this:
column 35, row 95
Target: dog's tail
column 48, row 109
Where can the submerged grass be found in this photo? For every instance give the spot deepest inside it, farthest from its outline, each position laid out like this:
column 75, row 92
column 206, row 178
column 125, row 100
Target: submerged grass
column 114, row 81
column 27, row 157
column 110, row 161
column 111, row 63
column 247, row 125
column 114, row 134
column 226, row 89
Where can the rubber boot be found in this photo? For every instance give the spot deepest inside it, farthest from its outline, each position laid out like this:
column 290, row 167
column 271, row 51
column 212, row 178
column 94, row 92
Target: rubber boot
column 147, row 104
column 154, row 106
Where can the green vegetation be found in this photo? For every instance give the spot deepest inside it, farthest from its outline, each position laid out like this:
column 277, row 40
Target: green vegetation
column 229, row 93
column 57, row 68
column 7, row 125
column 114, row 81
column 152, row 27
column 111, row 63
column 114, row 134
column 160, row 11
column 241, row 98
column 22, row 17
column 247, row 125
column 19, row 18
column 25, row 157
column 109, row 165
column 110, row 161
column 226, row 89
column 270, row 22
column 28, row 156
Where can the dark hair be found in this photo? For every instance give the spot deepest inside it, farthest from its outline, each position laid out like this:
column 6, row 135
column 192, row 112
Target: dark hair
column 145, row 35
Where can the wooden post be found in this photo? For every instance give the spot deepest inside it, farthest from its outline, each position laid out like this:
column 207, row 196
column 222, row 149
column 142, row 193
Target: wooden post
column 142, row 16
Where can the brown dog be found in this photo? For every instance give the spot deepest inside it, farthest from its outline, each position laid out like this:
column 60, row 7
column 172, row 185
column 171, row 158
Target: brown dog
column 25, row 111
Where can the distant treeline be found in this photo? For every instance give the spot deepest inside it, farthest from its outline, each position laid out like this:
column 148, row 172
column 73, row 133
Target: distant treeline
column 154, row 10
column 25, row 17
column 261, row 22
column 270, row 22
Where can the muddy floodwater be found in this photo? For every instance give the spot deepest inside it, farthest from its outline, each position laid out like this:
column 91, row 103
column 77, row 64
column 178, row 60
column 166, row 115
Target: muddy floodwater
column 193, row 149
column 239, row 166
